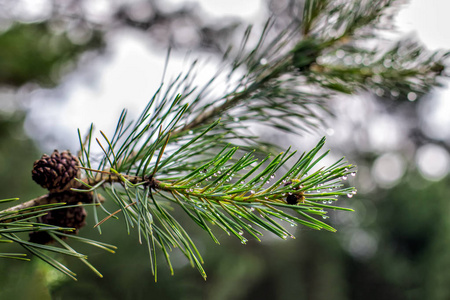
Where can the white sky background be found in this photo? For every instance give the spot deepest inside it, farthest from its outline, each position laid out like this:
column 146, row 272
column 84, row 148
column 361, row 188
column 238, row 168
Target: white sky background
column 131, row 72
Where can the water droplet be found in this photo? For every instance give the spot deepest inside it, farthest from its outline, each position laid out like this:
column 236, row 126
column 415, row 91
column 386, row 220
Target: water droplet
column 284, row 194
column 243, row 241
column 354, row 192
column 267, row 198
column 324, row 201
column 241, row 232
column 293, row 224
column 272, row 176
column 353, row 174
column 252, row 209
column 324, row 217
column 395, row 93
column 349, row 195
column 284, row 181
column 412, row 96
column 215, row 175
column 242, row 182
column 289, row 193
column 379, row 92
column 228, row 180
column 210, row 177
column 344, row 177
column 236, row 119
column 263, row 61
column 218, row 172
column 252, row 192
column 197, row 185
column 346, row 169
column 284, row 237
column 330, row 201
column 190, row 132
column 330, row 189
column 206, row 179
column 268, row 181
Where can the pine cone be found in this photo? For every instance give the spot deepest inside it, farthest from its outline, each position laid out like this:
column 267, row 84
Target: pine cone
column 55, row 172
column 72, row 217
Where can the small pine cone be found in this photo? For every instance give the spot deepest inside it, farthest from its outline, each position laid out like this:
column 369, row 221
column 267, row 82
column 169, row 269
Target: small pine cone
column 71, row 217
column 56, row 172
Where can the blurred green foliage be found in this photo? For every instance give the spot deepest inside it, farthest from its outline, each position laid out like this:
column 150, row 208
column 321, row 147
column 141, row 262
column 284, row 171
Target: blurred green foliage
column 33, row 53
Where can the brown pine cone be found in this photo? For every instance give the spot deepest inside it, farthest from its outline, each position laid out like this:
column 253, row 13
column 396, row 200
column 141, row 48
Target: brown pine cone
column 71, row 217
column 56, row 172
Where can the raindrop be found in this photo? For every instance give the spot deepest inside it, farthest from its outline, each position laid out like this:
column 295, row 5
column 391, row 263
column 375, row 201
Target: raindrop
column 284, row 181
column 349, row 195
column 324, row 217
column 284, row 237
column 241, row 232
column 268, row 181
column 283, row 194
column 190, row 132
column 330, row 201
column 242, row 182
column 354, row 192
column 395, row 93
column 324, row 201
column 344, row 177
column 293, row 224
column 330, row 189
column 263, row 61
column 243, row 241
column 289, row 193
column 218, row 172
column 252, row 209
column 412, row 96
column 215, row 175
column 236, row 119
column 272, row 176
column 267, row 198
column 252, row 192
column 353, row 174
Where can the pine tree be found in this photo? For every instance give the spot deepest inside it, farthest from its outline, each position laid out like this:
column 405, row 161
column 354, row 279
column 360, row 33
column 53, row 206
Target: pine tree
column 192, row 151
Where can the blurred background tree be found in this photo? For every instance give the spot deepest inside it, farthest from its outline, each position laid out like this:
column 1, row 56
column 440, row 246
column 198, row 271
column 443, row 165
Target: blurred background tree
column 395, row 246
